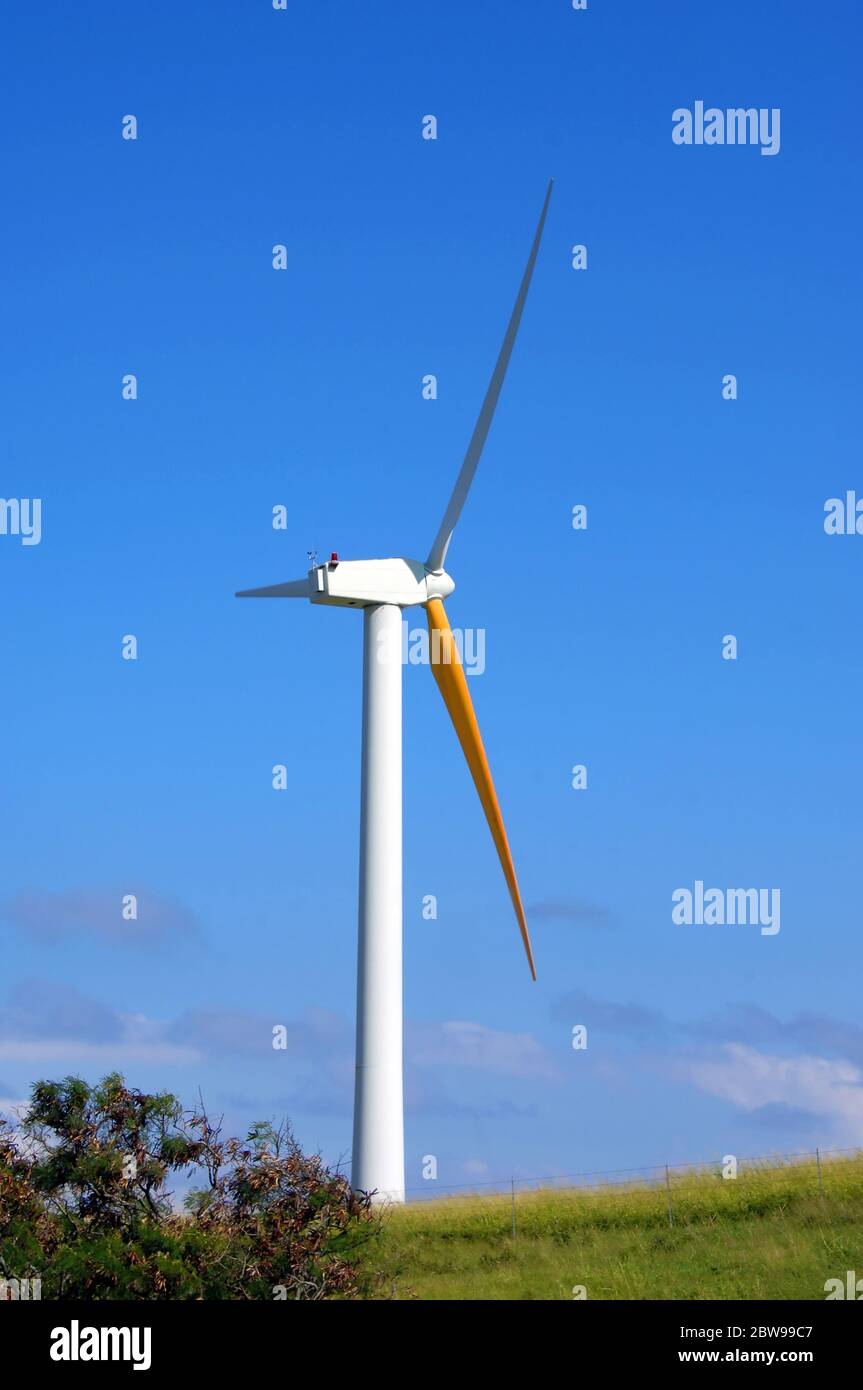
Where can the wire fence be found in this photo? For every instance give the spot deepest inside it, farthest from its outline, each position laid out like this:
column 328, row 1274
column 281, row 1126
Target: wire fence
column 818, row 1172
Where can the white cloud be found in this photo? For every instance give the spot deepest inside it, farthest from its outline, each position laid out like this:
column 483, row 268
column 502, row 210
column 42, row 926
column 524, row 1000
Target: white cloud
column 66, row 1052
column 11, row 1108
column 751, row 1079
column 135, row 1038
column 99, row 914
column 475, row 1168
column 467, row 1044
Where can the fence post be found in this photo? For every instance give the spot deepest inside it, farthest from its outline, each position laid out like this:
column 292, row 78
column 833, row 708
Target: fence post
column 820, row 1176
column 668, row 1190
column 512, row 1181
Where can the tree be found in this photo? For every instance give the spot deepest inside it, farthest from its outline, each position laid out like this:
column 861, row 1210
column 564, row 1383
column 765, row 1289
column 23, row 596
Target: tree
column 24, row 1230
column 84, row 1203
column 293, row 1228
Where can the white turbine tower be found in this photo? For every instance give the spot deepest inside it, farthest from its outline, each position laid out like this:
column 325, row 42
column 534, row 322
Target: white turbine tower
column 382, row 588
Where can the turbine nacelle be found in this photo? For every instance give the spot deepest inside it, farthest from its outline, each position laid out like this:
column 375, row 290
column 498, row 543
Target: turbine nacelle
column 363, row 583
column 359, row 583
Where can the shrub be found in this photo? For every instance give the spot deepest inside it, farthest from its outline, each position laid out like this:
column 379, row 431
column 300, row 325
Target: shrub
column 84, row 1203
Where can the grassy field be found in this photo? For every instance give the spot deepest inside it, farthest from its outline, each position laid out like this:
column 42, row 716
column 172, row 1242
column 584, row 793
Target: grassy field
column 769, row 1233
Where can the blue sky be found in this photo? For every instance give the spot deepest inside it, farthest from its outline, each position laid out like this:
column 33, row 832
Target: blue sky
column 603, row 647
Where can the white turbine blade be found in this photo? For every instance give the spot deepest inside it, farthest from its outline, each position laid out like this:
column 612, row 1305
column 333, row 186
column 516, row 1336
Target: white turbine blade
column 437, row 554
column 293, row 588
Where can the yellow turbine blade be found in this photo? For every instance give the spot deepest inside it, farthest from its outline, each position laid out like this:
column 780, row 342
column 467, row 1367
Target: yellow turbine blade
column 452, row 683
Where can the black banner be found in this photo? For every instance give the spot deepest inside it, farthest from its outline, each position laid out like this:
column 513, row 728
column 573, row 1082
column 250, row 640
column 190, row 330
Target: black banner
column 161, row 1339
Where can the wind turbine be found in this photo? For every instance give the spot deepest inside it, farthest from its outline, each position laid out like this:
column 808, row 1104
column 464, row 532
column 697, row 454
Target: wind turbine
column 382, row 588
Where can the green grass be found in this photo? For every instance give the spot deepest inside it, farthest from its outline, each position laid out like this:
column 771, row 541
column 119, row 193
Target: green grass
column 766, row 1234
